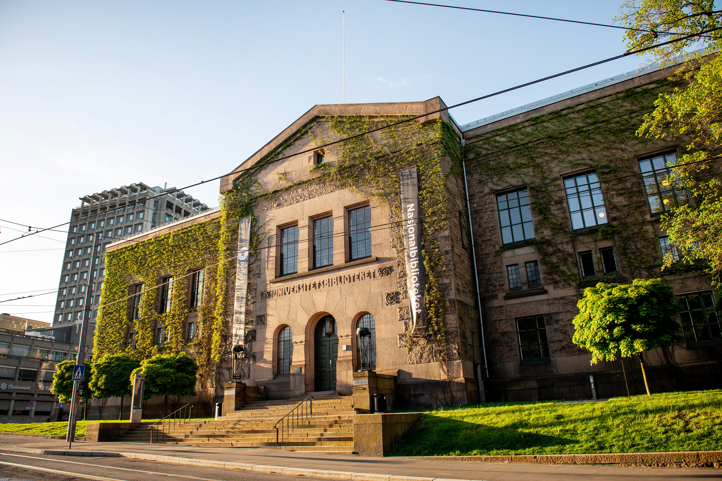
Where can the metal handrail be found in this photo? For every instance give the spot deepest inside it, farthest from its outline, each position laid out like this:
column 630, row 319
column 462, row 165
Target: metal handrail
column 176, row 420
column 294, row 417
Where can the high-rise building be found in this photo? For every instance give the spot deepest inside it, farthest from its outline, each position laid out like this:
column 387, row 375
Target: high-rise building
column 109, row 215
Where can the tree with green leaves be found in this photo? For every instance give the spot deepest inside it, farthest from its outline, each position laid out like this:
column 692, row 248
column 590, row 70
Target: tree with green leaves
column 171, row 374
column 626, row 319
column 63, row 381
column 690, row 116
column 111, row 377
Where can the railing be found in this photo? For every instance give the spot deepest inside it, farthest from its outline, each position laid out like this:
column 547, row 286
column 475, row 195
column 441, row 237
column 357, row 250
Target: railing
column 302, row 412
column 172, row 421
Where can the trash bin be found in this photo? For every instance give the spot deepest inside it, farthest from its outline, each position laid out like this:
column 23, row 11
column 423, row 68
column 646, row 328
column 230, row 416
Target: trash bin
column 219, row 410
column 379, row 403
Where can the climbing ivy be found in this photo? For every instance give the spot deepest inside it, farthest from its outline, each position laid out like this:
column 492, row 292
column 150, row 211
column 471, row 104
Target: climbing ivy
column 533, row 153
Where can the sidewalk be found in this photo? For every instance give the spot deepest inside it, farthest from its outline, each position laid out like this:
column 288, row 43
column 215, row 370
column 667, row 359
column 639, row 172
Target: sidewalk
column 343, row 466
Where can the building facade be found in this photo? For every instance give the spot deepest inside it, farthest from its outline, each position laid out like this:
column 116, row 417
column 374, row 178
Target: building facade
column 108, row 215
column 311, row 271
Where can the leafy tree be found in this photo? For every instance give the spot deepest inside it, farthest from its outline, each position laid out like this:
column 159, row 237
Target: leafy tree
column 110, row 377
column 689, row 115
column 168, row 375
column 626, row 319
column 63, row 381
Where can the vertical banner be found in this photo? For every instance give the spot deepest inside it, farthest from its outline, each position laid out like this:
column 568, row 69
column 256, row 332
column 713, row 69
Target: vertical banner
column 415, row 280
column 239, row 306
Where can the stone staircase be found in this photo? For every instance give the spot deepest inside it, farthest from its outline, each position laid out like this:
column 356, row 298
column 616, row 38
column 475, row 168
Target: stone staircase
column 329, row 429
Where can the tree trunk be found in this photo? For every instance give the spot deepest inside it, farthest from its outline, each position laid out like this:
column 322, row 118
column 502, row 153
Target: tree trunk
column 644, row 375
column 621, row 359
column 120, row 416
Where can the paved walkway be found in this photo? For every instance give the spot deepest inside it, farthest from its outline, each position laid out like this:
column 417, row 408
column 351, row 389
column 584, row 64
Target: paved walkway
column 354, row 467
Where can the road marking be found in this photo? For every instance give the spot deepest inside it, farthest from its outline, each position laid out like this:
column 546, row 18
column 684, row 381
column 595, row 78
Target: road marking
column 36, row 468
column 100, row 466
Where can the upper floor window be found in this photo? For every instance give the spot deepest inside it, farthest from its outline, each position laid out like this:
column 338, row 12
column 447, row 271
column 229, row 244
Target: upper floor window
column 166, row 289
column 533, row 277
column 586, row 263
column 662, row 193
column 323, row 242
column 141, row 215
column 533, row 343
column 137, row 297
column 609, row 262
column 514, row 276
column 319, row 158
column 366, row 342
column 101, row 223
column 699, row 320
column 515, row 216
column 289, row 250
column 669, row 250
column 359, row 222
column 197, row 288
column 585, row 200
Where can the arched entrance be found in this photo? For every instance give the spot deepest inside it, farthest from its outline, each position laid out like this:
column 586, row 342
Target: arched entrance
column 326, row 347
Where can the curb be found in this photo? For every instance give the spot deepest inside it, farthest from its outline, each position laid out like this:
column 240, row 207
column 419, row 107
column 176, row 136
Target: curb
column 34, row 435
column 257, row 468
column 684, row 459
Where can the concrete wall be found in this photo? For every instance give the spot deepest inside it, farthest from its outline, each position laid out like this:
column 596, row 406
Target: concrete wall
column 375, row 434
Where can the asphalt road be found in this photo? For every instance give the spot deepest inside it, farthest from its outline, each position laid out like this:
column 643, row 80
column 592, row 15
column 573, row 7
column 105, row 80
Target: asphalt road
column 62, row 468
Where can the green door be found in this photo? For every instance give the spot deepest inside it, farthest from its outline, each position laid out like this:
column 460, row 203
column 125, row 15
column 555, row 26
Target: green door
column 326, row 354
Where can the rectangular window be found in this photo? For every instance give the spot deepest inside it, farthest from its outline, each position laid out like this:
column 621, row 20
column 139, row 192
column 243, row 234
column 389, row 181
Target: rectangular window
column 586, row 262
column 71, row 303
column 359, row 222
column 82, row 228
column 69, row 317
column 585, row 201
column 609, row 262
column 91, row 225
column 74, row 229
column 289, row 250
column 72, row 241
column 77, row 264
column 160, row 336
column 515, row 216
column 120, row 219
column 532, row 274
column 669, row 250
column 27, row 375
column 67, row 266
column 129, row 229
column 699, row 320
column 138, row 227
column 131, row 339
column 118, row 232
column 109, row 233
column 166, row 291
column 81, row 239
column 191, row 330
column 130, row 217
column 88, row 250
column 59, row 356
column 662, row 193
column 79, row 252
column 514, row 277
column 101, row 223
column 69, row 253
column 141, row 215
column 111, row 221
column 137, row 293
column 323, row 242
column 320, row 158
column 533, row 342
column 197, row 289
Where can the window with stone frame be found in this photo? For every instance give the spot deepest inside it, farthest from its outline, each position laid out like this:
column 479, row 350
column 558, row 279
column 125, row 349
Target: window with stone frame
column 515, row 216
column 284, row 351
column 669, row 250
column 359, row 222
column 586, row 264
column 135, row 300
column 585, row 200
column 664, row 193
column 323, row 242
column 609, row 260
column 700, row 321
column 532, row 336
column 289, row 251
column 533, row 276
column 196, row 294
column 514, row 277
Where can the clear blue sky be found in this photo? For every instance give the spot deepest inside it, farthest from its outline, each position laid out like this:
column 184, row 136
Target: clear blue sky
column 94, row 95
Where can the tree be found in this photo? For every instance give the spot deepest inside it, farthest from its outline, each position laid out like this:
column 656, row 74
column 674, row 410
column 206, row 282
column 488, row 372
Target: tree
column 111, row 377
column 63, row 381
column 168, row 375
column 690, row 115
column 626, row 319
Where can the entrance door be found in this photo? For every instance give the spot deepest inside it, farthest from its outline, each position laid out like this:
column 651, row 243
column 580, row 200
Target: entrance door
column 326, row 354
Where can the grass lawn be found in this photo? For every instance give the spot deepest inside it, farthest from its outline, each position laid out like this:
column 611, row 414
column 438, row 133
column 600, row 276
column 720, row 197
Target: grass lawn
column 685, row 421
column 60, row 428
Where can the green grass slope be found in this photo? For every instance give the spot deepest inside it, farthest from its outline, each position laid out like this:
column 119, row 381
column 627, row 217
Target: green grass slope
column 688, row 421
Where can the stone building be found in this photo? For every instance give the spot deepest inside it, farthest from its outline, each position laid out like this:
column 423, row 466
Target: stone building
column 518, row 213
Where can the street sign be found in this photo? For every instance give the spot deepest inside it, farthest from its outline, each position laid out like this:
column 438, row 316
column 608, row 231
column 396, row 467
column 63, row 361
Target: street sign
column 31, row 402
column 78, row 372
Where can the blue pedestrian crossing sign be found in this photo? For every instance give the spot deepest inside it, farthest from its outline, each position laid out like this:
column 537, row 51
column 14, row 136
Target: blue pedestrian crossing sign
column 78, row 372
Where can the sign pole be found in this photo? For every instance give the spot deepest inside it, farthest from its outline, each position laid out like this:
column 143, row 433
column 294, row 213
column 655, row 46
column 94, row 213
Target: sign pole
column 80, row 359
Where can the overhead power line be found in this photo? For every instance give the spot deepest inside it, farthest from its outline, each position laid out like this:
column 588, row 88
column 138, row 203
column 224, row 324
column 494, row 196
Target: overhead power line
column 30, row 227
column 538, row 17
column 411, row 119
column 28, row 234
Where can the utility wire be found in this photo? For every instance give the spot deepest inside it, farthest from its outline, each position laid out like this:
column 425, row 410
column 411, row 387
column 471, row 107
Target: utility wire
column 28, row 234
column 411, row 119
column 30, row 227
column 538, row 17
column 31, row 250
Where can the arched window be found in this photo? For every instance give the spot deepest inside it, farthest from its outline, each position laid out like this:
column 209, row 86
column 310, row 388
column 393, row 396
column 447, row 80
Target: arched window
column 366, row 344
column 285, row 351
